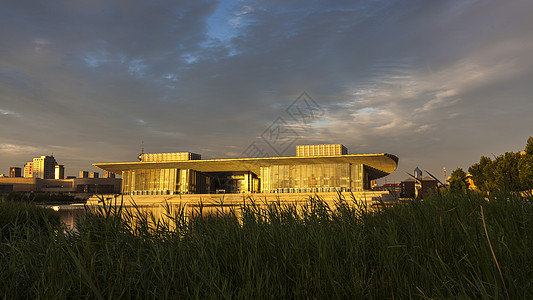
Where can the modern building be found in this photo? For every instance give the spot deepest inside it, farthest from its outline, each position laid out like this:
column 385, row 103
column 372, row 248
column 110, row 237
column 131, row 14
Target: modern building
column 315, row 169
column 59, row 172
column 15, row 172
column 44, row 167
column 28, row 168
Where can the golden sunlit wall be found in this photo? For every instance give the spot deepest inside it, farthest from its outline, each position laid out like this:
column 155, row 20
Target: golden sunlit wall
column 321, row 150
column 312, row 178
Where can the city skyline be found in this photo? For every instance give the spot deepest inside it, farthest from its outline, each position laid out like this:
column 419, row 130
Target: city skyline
column 436, row 84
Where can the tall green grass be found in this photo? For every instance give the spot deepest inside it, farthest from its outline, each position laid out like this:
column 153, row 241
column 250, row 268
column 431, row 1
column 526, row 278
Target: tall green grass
column 448, row 246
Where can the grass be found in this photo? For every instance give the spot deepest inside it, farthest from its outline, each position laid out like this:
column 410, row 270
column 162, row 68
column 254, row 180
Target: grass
column 449, row 246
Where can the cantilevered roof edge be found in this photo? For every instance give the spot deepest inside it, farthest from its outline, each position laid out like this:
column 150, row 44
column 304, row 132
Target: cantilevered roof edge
column 384, row 162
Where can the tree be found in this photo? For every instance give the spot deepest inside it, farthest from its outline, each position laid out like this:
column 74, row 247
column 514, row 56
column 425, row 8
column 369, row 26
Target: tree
column 512, row 171
column 506, row 174
column 529, row 146
column 482, row 174
column 525, row 166
column 457, row 181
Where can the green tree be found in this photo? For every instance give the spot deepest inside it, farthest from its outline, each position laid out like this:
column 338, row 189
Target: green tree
column 482, row 174
column 457, row 181
column 506, row 174
column 512, row 171
column 525, row 167
column 529, row 146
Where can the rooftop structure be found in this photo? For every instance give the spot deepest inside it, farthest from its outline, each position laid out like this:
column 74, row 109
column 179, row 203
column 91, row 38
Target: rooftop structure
column 316, row 168
column 176, row 156
column 321, row 150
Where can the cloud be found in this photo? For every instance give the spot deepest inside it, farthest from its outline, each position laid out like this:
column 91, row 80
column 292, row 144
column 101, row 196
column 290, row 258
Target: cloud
column 447, row 77
column 11, row 148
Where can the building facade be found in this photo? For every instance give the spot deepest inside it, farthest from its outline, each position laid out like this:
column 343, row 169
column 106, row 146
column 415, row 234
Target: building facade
column 109, row 175
column 15, row 172
column 84, row 186
column 315, row 169
column 44, row 167
column 59, row 172
column 28, row 167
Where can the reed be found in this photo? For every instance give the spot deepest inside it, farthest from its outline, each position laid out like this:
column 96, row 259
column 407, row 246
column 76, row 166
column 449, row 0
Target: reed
column 458, row 245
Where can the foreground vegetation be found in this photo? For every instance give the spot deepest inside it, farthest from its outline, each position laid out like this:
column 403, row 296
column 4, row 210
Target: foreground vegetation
column 458, row 245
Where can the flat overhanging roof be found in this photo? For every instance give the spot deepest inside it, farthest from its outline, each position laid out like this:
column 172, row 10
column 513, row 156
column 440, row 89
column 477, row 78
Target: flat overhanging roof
column 379, row 165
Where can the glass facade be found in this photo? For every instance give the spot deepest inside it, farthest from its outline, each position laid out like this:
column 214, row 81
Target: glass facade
column 163, row 182
column 305, row 178
column 312, row 178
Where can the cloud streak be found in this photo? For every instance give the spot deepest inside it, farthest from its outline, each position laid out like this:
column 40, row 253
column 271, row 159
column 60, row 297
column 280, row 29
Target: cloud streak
column 438, row 84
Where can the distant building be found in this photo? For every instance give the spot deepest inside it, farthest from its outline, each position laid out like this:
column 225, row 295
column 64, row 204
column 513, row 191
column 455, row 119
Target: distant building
column 427, row 184
column 83, row 174
column 470, row 181
column 15, row 172
column 44, row 167
column 79, row 186
column 109, row 175
column 94, row 175
column 28, row 168
column 396, row 187
column 59, row 172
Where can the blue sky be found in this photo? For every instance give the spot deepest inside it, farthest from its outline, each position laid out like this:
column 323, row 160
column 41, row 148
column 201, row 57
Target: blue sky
column 437, row 83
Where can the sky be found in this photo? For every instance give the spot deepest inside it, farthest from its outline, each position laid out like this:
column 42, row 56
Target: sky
column 436, row 83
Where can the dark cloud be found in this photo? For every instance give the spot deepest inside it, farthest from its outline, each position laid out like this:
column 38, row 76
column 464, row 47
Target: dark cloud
column 438, row 84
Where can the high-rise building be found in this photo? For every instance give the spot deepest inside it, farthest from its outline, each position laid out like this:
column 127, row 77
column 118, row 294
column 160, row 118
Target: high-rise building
column 59, row 172
column 44, row 167
column 15, row 172
column 28, row 170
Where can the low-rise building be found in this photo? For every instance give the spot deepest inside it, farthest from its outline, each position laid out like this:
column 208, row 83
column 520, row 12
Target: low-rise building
column 315, row 169
column 427, row 186
column 80, row 186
